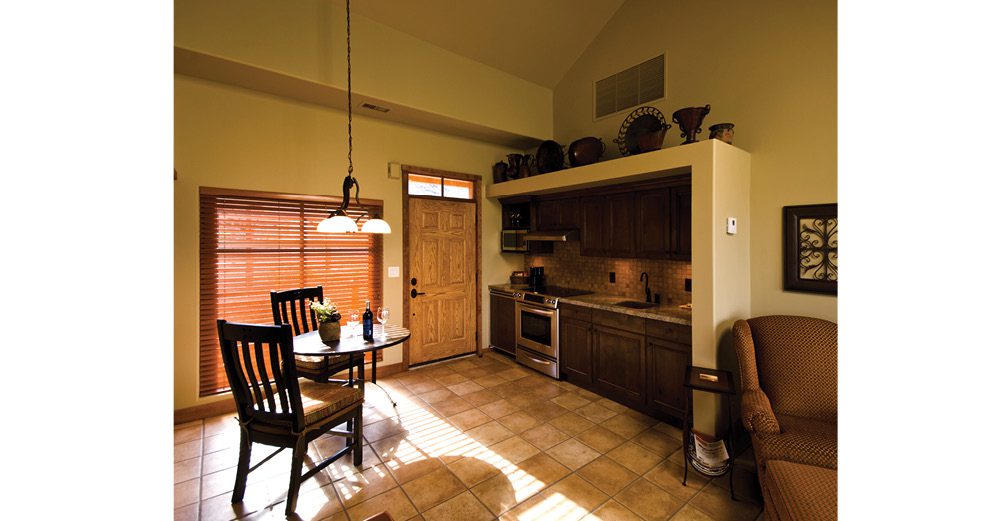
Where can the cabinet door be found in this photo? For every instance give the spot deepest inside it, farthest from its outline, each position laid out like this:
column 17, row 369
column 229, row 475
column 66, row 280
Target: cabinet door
column 547, row 215
column 575, row 351
column 595, row 224
column 569, row 214
column 654, row 223
column 622, row 225
column 619, row 365
column 681, row 222
column 502, row 325
column 666, row 377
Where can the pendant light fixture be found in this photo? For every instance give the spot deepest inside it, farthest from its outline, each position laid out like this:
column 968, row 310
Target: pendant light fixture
column 340, row 221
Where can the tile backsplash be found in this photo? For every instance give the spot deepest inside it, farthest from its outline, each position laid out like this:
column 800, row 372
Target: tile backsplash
column 567, row 267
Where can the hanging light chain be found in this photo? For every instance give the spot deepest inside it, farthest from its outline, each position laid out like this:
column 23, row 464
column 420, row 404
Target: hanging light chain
column 349, row 88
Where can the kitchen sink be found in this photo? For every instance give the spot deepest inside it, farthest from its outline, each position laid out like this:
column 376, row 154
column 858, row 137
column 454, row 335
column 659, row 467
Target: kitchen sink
column 636, row 305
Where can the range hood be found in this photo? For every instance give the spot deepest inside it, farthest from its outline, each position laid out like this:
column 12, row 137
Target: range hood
column 553, row 235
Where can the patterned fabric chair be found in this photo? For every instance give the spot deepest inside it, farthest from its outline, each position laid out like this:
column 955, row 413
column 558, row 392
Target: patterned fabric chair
column 292, row 307
column 275, row 408
column 796, row 492
column 788, row 369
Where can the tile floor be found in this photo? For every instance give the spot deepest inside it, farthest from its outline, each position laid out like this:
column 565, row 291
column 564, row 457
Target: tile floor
column 473, row 439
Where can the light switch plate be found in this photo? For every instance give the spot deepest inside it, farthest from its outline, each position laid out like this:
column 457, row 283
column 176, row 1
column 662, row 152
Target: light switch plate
column 393, row 271
column 731, row 225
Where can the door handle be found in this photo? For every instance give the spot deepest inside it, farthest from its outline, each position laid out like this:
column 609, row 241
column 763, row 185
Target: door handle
column 415, row 293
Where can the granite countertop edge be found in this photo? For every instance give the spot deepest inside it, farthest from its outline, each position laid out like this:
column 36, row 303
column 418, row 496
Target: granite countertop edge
column 603, row 301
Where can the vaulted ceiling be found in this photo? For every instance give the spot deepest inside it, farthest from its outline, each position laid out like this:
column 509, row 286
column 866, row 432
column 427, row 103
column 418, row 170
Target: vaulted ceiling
column 534, row 40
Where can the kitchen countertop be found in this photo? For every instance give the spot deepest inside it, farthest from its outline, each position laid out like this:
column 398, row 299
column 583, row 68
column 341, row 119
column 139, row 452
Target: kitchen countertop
column 606, row 302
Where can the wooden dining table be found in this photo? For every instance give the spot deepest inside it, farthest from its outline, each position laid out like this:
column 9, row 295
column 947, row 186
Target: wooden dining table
column 384, row 336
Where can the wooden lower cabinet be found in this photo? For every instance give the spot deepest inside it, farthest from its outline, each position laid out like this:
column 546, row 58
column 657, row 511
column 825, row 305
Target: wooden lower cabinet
column 666, row 363
column 576, row 351
column 618, row 365
column 502, row 323
column 610, row 354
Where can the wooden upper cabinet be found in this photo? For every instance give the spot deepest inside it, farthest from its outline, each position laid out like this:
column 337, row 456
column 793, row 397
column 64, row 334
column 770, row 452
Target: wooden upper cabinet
column 622, row 225
column 595, row 225
column 653, row 224
column 681, row 223
column 558, row 214
column 609, row 225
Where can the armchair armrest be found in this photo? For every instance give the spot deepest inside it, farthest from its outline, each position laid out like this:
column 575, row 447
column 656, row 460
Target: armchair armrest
column 758, row 417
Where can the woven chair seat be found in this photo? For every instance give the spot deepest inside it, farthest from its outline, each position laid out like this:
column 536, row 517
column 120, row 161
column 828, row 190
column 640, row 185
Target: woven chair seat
column 321, row 401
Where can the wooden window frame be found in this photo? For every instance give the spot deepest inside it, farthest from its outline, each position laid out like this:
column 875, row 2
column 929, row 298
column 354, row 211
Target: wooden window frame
column 213, row 201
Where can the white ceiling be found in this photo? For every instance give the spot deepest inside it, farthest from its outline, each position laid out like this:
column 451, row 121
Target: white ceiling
column 534, row 40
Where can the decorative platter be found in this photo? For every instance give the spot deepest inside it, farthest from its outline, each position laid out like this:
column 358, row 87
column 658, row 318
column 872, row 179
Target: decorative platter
column 642, row 121
column 549, row 157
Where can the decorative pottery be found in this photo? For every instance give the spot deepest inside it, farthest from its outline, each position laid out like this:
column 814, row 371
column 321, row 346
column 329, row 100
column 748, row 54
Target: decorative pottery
column 585, row 151
column 689, row 120
column 722, row 132
column 550, row 157
column 642, row 122
column 525, row 166
column 499, row 172
column 329, row 331
column 513, row 169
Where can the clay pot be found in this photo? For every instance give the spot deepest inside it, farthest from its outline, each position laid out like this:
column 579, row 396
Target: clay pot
column 722, row 132
column 585, row 151
column 652, row 140
column 525, row 166
column 499, row 172
column 689, row 120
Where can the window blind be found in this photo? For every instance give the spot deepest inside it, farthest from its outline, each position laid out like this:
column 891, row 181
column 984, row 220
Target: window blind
column 254, row 242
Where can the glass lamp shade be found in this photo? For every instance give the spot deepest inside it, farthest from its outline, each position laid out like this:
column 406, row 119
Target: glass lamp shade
column 337, row 224
column 376, row 225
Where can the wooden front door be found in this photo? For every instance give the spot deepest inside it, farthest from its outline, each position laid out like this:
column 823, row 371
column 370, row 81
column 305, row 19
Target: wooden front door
column 442, row 259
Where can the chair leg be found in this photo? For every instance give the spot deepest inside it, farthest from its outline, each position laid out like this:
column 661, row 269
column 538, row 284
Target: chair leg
column 358, row 437
column 243, row 467
column 294, row 484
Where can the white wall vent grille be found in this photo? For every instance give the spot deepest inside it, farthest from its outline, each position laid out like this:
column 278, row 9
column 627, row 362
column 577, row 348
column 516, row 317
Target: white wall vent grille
column 631, row 87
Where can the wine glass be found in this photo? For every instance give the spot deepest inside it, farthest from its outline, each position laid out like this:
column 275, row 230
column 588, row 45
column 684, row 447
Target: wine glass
column 383, row 315
column 354, row 322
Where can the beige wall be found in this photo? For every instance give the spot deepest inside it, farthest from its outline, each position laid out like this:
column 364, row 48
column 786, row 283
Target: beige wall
column 235, row 138
column 307, row 39
column 767, row 66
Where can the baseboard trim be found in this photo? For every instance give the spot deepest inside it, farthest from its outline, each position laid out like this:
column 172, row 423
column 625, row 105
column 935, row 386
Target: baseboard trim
column 226, row 406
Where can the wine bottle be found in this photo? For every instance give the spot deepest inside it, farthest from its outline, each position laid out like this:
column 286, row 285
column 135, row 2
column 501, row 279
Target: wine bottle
column 367, row 323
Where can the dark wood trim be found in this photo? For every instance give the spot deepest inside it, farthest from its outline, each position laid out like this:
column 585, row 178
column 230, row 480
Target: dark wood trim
column 331, row 199
column 636, row 186
column 216, row 408
column 477, row 181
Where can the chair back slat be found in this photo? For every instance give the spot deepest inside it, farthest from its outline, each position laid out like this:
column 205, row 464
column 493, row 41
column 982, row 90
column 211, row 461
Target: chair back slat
column 293, row 307
column 260, row 366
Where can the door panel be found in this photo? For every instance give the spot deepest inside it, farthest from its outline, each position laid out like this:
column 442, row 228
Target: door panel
column 442, row 256
column 618, row 365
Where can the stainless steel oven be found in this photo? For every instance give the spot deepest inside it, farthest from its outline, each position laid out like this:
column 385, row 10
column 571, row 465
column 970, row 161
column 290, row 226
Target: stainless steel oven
column 537, row 337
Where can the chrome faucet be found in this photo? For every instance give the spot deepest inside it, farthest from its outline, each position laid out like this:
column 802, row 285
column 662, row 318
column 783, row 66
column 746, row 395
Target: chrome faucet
column 646, row 278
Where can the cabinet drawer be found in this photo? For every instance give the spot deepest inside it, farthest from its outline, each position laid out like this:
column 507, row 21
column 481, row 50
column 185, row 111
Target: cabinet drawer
column 669, row 332
column 576, row 312
column 618, row 321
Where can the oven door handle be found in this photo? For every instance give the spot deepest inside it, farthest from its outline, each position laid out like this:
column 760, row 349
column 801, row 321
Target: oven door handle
column 538, row 360
column 536, row 311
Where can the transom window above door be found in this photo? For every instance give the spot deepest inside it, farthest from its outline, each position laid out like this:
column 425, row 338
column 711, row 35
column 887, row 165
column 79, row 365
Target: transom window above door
column 437, row 186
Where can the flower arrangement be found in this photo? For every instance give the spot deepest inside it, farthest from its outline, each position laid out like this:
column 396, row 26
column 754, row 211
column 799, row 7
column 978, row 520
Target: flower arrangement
column 325, row 311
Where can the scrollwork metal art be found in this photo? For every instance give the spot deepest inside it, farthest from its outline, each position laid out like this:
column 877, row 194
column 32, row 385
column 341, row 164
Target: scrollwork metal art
column 811, row 248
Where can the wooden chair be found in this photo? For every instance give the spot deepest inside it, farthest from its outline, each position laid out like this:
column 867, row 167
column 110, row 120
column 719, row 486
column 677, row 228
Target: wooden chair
column 275, row 408
column 293, row 307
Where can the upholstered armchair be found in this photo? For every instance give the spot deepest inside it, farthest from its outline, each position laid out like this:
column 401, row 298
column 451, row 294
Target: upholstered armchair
column 788, row 369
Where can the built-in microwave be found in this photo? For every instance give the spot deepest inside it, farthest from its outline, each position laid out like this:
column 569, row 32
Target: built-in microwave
column 513, row 240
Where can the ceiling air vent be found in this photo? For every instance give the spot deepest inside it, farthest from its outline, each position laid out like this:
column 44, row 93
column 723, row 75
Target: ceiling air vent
column 631, row 87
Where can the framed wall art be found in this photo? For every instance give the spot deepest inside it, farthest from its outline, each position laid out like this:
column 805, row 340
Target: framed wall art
column 811, row 248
